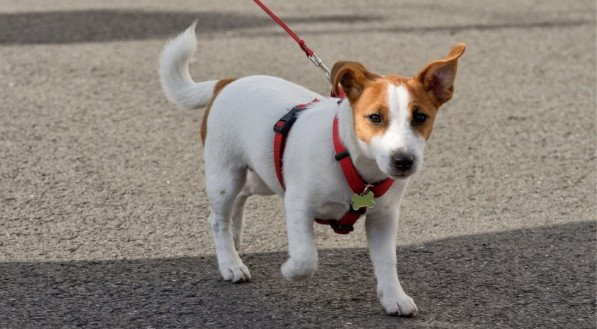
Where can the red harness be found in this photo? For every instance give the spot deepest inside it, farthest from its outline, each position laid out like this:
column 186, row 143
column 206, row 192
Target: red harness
column 345, row 224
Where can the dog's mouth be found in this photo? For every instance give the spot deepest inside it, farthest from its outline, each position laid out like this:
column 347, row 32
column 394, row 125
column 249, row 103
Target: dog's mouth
column 398, row 173
column 398, row 170
column 395, row 173
column 402, row 174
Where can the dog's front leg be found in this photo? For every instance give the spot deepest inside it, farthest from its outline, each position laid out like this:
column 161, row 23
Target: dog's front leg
column 381, row 238
column 301, row 248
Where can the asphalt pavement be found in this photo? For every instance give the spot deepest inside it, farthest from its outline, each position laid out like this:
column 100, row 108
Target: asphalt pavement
column 103, row 213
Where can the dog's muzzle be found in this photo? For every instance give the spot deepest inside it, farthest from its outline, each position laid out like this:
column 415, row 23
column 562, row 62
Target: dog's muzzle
column 402, row 164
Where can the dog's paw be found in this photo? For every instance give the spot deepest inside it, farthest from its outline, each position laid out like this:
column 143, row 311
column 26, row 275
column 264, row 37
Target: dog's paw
column 398, row 304
column 234, row 271
column 298, row 270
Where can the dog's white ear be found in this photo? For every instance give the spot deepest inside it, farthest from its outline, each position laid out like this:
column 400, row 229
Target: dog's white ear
column 351, row 77
column 438, row 77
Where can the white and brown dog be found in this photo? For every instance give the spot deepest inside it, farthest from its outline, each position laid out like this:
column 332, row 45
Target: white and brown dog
column 384, row 123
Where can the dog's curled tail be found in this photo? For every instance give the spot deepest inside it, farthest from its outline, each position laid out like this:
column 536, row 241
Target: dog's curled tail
column 176, row 81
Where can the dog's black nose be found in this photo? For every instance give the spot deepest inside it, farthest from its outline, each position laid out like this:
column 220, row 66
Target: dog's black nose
column 402, row 161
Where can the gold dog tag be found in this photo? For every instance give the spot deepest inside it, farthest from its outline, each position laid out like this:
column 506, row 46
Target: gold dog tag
column 363, row 200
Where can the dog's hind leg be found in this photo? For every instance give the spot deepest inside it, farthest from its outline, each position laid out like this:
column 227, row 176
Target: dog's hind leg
column 223, row 186
column 238, row 220
column 253, row 186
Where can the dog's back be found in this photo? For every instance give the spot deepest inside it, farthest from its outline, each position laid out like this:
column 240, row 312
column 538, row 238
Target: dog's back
column 237, row 119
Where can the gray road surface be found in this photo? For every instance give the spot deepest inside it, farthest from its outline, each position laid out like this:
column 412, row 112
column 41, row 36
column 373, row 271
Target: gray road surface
column 103, row 216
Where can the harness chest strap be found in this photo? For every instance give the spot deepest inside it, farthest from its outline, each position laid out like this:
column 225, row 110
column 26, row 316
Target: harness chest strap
column 345, row 224
column 281, row 129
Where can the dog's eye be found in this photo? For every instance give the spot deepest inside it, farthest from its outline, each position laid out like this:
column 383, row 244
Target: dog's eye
column 419, row 117
column 375, row 118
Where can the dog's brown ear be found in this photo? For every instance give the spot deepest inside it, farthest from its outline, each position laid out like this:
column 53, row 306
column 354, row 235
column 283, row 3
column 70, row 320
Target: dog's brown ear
column 351, row 77
column 438, row 77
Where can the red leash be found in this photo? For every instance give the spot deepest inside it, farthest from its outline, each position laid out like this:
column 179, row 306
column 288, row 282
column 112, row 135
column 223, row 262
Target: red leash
column 345, row 224
column 310, row 54
column 298, row 40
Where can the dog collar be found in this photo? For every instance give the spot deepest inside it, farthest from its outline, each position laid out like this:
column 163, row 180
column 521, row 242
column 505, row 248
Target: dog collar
column 364, row 193
column 354, row 180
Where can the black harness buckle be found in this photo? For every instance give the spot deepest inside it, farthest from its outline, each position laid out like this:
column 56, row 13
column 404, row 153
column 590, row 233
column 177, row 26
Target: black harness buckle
column 287, row 120
column 342, row 155
column 283, row 125
column 337, row 227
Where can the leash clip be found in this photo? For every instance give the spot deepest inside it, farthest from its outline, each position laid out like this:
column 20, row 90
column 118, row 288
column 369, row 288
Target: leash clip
column 317, row 61
column 312, row 56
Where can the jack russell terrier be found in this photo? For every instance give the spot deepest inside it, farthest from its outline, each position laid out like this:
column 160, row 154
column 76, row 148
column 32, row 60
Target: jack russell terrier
column 361, row 147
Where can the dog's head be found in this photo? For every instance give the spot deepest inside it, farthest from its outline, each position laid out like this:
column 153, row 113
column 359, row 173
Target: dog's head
column 393, row 116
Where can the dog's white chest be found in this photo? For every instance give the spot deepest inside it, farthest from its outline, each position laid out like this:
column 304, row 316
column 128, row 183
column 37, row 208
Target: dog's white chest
column 330, row 210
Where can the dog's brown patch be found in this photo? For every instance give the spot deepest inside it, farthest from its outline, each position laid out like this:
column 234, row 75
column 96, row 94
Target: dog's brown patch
column 419, row 101
column 367, row 92
column 437, row 78
column 352, row 77
column 373, row 100
column 217, row 88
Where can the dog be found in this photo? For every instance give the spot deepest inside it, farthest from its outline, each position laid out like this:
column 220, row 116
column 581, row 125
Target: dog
column 383, row 123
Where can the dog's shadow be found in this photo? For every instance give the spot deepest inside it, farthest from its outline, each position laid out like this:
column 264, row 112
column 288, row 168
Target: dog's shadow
column 527, row 278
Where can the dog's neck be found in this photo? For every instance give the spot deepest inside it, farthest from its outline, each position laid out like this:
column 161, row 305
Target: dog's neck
column 367, row 167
